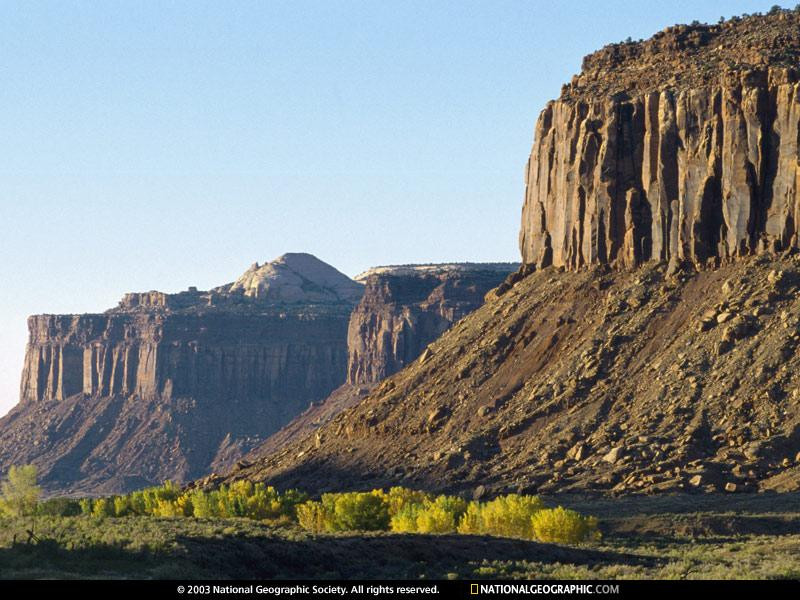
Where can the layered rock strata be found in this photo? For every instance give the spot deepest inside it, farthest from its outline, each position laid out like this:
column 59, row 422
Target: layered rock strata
column 688, row 164
column 171, row 386
column 405, row 308
column 598, row 381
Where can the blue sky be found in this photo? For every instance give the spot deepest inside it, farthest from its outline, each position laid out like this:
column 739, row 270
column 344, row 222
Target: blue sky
column 158, row 145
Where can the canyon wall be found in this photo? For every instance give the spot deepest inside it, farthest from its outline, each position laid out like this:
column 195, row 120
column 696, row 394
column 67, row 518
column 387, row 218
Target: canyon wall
column 693, row 175
column 177, row 386
column 406, row 308
column 280, row 359
column 403, row 309
column 172, row 386
column 679, row 148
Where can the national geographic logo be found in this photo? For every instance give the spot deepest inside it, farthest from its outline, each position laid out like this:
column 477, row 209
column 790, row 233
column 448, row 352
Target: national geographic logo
column 542, row 589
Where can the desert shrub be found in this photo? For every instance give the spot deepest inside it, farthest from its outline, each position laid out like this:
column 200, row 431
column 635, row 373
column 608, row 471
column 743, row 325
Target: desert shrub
column 564, row 526
column 60, row 507
column 314, row 517
column 507, row 516
column 431, row 516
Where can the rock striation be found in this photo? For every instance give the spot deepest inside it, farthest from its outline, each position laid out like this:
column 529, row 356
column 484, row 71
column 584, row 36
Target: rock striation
column 683, row 148
column 679, row 149
column 405, row 308
column 171, row 386
column 176, row 386
column 602, row 381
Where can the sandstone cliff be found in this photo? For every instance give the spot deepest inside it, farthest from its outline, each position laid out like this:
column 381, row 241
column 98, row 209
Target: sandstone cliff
column 601, row 380
column 171, row 386
column 680, row 148
column 403, row 309
column 406, row 308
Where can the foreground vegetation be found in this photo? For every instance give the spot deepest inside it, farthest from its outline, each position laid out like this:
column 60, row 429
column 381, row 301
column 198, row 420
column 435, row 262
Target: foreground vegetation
column 399, row 510
column 252, row 531
column 667, row 545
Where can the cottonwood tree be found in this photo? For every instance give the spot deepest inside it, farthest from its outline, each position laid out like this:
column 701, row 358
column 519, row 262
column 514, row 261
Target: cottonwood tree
column 19, row 495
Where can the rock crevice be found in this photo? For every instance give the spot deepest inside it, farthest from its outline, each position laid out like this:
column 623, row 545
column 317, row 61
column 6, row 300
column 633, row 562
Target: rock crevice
column 693, row 175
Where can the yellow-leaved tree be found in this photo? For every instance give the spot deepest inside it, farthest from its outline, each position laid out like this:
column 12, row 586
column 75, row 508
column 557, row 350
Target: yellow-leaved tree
column 19, row 495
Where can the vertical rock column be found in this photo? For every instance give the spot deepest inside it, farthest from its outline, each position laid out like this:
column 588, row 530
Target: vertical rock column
column 703, row 173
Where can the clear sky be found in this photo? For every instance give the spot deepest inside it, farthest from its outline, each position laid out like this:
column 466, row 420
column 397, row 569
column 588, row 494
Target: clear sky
column 158, row 145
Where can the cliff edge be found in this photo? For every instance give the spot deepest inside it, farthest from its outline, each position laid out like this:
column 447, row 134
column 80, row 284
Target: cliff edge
column 682, row 148
column 173, row 386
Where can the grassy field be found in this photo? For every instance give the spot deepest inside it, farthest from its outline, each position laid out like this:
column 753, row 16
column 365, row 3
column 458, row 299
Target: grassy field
column 680, row 537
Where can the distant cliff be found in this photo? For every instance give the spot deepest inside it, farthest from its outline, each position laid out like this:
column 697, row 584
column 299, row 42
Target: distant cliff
column 177, row 386
column 171, row 386
column 405, row 308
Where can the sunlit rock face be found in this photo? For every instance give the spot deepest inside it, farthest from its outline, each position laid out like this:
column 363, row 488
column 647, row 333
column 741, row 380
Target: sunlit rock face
column 681, row 148
column 405, row 308
column 173, row 386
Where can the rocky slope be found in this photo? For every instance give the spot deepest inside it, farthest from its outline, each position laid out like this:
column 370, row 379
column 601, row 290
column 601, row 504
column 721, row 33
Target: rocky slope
column 403, row 309
column 171, row 386
column 590, row 381
column 678, row 156
column 680, row 148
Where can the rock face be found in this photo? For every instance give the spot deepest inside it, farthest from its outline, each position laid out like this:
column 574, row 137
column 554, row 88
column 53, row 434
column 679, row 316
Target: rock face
column 206, row 356
column 683, row 148
column 295, row 278
column 406, row 308
column 403, row 309
column 174, row 385
column 599, row 380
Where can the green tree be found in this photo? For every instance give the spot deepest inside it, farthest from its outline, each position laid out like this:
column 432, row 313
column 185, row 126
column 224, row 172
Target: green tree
column 360, row 511
column 19, row 495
